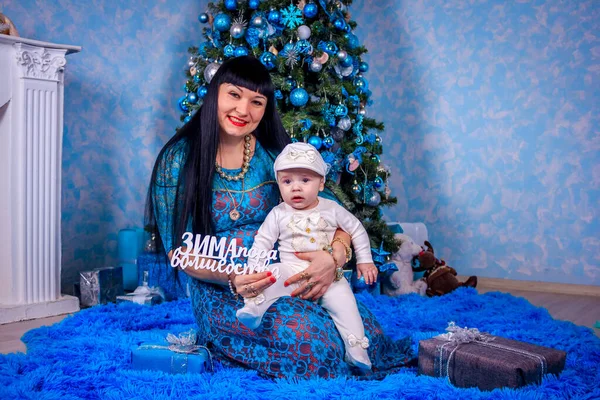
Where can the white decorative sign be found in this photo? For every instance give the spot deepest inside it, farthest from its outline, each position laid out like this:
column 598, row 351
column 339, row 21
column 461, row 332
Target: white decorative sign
column 211, row 253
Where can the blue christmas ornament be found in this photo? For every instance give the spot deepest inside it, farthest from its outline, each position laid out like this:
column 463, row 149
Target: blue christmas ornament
column 202, row 90
column 278, row 94
column 356, row 188
column 352, row 40
column 222, row 22
column 359, row 139
column 229, row 50
column 315, row 141
column 363, row 66
column 339, row 24
column 304, row 47
column 299, row 97
column 187, row 119
column 274, row 16
column 361, row 84
column 289, row 83
column 346, row 62
column 341, row 110
column 203, row 18
column 196, row 78
column 183, row 104
column 231, row 5
column 253, row 36
column 305, row 124
column 310, row 10
column 241, row 51
column 331, row 48
column 288, row 47
column 253, row 4
column 192, row 98
column 328, row 142
column 378, row 183
column 379, row 256
column 268, row 59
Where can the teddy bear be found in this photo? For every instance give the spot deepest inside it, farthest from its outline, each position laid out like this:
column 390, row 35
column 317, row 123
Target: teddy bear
column 440, row 278
column 401, row 281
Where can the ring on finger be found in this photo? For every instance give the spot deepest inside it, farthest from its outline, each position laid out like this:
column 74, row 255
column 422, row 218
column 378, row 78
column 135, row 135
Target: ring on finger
column 252, row 290
column 310, row 285
column 304, row 275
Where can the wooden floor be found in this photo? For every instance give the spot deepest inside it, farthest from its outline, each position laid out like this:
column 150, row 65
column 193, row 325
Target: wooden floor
column 581, row 310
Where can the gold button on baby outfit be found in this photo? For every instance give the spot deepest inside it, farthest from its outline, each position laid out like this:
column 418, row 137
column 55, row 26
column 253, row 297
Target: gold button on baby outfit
column 312, row 240
column 307, row 230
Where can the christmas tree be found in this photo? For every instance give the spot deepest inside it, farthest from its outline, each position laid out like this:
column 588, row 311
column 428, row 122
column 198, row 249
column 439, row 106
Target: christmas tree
column 322, row 93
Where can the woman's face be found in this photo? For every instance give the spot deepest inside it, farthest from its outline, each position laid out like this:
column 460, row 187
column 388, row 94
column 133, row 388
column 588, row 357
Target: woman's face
column 240, row 110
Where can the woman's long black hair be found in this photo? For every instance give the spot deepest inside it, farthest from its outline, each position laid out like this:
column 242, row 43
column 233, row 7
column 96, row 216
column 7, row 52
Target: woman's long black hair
column 200, row 136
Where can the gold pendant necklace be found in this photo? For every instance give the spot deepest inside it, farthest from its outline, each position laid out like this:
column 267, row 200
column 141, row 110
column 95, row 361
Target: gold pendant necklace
column 234, row 214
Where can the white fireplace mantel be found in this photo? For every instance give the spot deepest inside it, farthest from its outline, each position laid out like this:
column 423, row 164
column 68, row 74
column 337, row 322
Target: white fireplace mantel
column 31, row 128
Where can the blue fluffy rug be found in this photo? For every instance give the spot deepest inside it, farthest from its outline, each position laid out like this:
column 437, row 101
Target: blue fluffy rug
column 87, row 355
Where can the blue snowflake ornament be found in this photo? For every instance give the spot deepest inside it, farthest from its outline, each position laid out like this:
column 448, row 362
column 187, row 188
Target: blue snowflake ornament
column 292, row 17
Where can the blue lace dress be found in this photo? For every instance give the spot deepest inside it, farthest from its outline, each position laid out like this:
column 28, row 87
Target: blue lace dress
column 297, row 338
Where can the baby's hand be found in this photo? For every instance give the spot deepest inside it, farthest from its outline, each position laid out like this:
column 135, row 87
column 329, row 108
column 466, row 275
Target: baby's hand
column 369, row 271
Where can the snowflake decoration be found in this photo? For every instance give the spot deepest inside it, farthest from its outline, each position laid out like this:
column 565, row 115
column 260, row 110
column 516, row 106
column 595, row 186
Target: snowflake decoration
column 292, row 17
column 291, row 58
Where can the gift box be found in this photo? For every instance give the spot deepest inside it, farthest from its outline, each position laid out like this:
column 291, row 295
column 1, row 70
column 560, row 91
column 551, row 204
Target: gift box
column 144, row 294
column 469, row 358
column 148, row 300
column 176, row 355
column 160, row 273
column 100, row 286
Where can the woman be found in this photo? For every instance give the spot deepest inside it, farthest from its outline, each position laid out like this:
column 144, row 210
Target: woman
column 215, row 177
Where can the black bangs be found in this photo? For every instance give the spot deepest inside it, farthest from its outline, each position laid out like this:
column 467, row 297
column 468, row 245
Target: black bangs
column 247, row 72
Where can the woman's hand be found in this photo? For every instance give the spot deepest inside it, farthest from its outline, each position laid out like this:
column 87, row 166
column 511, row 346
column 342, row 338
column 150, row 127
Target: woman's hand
column 253, row 284
column 316, row 278
column 369, row 271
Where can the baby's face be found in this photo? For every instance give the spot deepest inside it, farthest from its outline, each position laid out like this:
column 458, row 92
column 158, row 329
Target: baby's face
column 300, row 187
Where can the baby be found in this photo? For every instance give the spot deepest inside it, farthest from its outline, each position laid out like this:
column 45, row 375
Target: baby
column 307, row 222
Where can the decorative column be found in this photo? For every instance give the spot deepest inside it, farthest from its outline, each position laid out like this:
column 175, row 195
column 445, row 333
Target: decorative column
column 31, row 128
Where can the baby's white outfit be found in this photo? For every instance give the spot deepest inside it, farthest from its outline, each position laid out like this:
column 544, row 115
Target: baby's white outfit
column 311, row 230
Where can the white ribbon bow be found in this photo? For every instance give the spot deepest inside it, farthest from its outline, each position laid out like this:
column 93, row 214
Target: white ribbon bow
column 309, row 154
column 354, row 341
column 302, row 220
column 456, row 334
column 149, row 291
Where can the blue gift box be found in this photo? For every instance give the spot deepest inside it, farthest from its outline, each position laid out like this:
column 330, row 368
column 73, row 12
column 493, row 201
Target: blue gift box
column 171, row 358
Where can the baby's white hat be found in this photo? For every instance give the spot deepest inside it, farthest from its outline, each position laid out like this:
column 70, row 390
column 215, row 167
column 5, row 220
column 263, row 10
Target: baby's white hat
column 301, row 155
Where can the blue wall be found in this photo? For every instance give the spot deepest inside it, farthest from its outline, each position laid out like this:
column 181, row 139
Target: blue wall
column 492, row 115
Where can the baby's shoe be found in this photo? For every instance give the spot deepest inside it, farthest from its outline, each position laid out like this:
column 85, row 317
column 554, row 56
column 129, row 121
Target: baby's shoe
column 251, row 314
column 356, row 352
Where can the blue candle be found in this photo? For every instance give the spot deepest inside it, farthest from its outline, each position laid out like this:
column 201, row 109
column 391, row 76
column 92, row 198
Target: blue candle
column 128, row 245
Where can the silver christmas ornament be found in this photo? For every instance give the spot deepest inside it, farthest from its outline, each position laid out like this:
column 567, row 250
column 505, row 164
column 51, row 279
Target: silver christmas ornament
column 304, row 32
column 237, row 31
column 362, row 111
column 342, row 55
column 258, row 21
column 210, row 71
column 316, row 66
column 374, row 198
column 191, row 62
column 344, row 123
